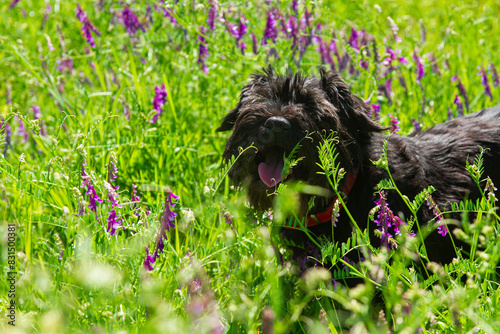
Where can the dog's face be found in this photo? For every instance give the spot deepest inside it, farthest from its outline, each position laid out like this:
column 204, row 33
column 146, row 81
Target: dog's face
column 275, row 113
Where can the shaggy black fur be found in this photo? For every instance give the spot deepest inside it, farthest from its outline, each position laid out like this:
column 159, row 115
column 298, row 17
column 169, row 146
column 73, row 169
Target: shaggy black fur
column 275, row 112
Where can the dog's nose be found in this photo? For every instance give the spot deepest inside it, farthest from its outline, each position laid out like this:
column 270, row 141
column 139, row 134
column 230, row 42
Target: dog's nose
column 275, row 128
column 277, row 124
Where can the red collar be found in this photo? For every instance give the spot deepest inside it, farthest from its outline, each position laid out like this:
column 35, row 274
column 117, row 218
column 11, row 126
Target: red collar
column 326, row 216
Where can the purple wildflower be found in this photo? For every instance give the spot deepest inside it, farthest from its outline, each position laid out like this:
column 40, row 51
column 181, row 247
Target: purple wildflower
column 295, row 7
column 86, row 182
column 388, row 223
column 386, row 89
column 271, row 30
column 37, row 115
column 435, row 67
column 93, row 197
column 490, row 190
column 65, row 65
column 159, row 101
column 462, row 90
column 113, row 224
column 431, row 204
column 87, row 27
column 168, row 13
column 135, row 200
column 238, row 31
column 326, row 58
column 21, row 131
column 292, row 30
column 126, row 112
column 112, row 194
column 450, row 114
column 212, row 15
column 460, row 107
column 13, row 4
column 420, row 67
column 394, row 124
column 255, row 47
column 353, row 40
column 394, row 29
column 203, row 50
column 423, row 33
column 333, row 48
column 49, row 43
column 494, row 75
column 376, row 111
column 130, row 21
column 149, row 260
column 167, row 222
column 112, row 169
column 416, row 124
column 484, row 82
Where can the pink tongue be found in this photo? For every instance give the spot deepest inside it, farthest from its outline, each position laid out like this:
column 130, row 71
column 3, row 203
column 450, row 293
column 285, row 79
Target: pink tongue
column 270, row 170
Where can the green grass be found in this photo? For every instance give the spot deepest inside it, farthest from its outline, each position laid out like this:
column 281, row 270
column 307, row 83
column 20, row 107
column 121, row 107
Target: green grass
column 73, row 276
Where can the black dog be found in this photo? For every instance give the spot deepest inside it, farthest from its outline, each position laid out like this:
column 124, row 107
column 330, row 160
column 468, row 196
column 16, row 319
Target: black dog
column 275, row 112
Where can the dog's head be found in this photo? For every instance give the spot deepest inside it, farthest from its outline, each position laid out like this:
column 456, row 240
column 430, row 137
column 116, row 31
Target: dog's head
column 275, row 112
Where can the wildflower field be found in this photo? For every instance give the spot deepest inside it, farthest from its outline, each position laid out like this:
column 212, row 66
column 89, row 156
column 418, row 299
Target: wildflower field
column 116, row 212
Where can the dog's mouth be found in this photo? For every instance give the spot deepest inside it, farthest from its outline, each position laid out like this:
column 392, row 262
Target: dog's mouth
column 270, row 166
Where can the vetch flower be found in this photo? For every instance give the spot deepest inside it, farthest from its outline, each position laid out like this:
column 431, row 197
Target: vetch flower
column 255, row 46
column 87, row 27
column 416, row 124
column 484, row 82
column 112, row 194
column 490, row 190
column 494, row 75
column 462, row 90
column 149, row 260
column 49, row 43
column 435, row 67
column 169, row 14
column 271, row 29
column 460, row 107
column 65, row 65
column 394, row 29
column 376, row 111
column 37, row 115
column 202, row 49
column 388, row 223
column 420, row 67
column 394, row 124
column 167, row 222
column 21, row 131
column 324, row 50
column 431, row 204
column 238, row 31
column 113, row 224
column 212, row 15
column 94, row 199
column 353, row 40
column 159, row 101
column 130, row 21
column 13, row 4
column 112, row 169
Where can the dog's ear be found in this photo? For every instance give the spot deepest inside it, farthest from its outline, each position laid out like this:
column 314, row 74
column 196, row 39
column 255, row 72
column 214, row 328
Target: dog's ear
column 351, row 108
column 229, row 120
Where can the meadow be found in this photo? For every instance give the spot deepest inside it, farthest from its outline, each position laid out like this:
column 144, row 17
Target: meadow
column 116, row 212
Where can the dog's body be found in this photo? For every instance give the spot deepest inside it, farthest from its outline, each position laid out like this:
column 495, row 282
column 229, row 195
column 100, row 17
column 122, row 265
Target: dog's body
column 275, row 113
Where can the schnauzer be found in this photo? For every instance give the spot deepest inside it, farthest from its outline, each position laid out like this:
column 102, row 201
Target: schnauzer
column 275, row 112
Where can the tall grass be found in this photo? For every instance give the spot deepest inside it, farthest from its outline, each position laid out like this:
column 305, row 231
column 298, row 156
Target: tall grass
column 223, row 267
